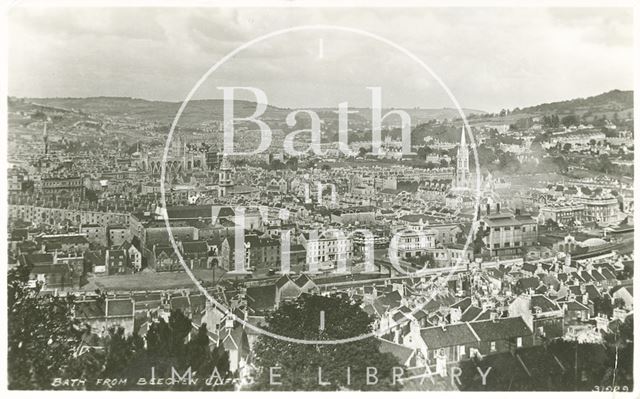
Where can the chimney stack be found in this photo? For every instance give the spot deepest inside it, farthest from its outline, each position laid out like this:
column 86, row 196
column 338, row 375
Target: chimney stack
column 488, row 209
column 498, row 207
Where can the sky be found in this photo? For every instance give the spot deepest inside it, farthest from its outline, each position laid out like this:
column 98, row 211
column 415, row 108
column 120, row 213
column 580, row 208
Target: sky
column 488, row 58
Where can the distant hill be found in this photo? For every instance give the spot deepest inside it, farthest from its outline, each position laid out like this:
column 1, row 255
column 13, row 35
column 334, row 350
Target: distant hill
column 199, row 111
column 196, row 112
column 612, row 101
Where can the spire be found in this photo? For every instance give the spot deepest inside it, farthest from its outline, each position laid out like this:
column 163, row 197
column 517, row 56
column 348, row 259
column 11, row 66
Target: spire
column 463, row 140
column 45, row 139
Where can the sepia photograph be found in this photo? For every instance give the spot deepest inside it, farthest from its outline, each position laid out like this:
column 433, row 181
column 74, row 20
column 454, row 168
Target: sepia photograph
column 295, row 196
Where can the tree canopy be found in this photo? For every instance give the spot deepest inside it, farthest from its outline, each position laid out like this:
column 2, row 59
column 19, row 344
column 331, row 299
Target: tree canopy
column 297, row 366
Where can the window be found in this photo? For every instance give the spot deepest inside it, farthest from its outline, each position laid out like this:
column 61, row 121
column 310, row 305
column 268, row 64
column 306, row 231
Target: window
column 541, row 330
column 519, row 342
column 461, row 350
column 493, row 346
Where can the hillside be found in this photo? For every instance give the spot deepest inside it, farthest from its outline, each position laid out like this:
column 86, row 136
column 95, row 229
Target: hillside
column 612, row 101
column 199, row 111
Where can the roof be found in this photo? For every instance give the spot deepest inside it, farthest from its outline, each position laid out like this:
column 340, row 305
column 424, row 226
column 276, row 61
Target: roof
column 500, row 329
column 574, row 306
column 189, row 212
column 194, row 246
column 282, row 281
column 447, row 336
column 401, row 352
column 120, row 307
column 528, row 282
column 391, row 299
column 471, row 313
column 302, row 280
column 34, row 259
column 105, row 307
column 463, row 304
column 507, row 219
column 260, row 298
column 545, row 304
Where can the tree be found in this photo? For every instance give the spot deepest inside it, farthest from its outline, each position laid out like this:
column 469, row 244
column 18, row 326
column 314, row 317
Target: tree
column 570, row 120
column 299, row 364
column 276, row 164
column 45, row 341
column 42, row 335
column 169, row 347
column 292, row 163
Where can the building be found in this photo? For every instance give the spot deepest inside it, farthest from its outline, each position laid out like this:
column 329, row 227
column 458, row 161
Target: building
column 95, row 233
column 265, row 252
column 354, row 214
column 63, row 185
column 502, row 335
column 118, row 235
column 117, row 261
column 410, row 243
column 104, row 313
column 543, row 316
column 563, row 213
column 41, row 214
column 508, row 234
column 602, row 209
column 228, row 254
column 326, row 249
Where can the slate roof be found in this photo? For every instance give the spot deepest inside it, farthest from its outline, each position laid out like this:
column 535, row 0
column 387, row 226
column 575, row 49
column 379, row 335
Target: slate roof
column 391, row 299
column 451, row 335
column 574, row 306
column 261, row 298
column 402, row 353
column 189, row 212
column 194, row 247
column 544, row 303
column 463, row 304
column 597, row 276
column 471, row 313
column 33, row 259
column 592, row 291
column 302, row 280
column 282, row 281
column 500, row 329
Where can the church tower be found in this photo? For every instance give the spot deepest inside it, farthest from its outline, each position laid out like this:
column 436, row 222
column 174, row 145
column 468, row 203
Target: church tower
column 463, row 176
column 224, row 177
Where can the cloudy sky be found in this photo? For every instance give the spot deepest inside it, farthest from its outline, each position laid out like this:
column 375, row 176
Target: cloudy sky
column 489, row 58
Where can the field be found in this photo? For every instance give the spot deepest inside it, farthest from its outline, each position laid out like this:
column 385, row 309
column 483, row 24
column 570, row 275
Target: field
column 147, row 281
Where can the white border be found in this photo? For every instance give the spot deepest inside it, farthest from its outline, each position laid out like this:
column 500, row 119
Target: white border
column 309, row 3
